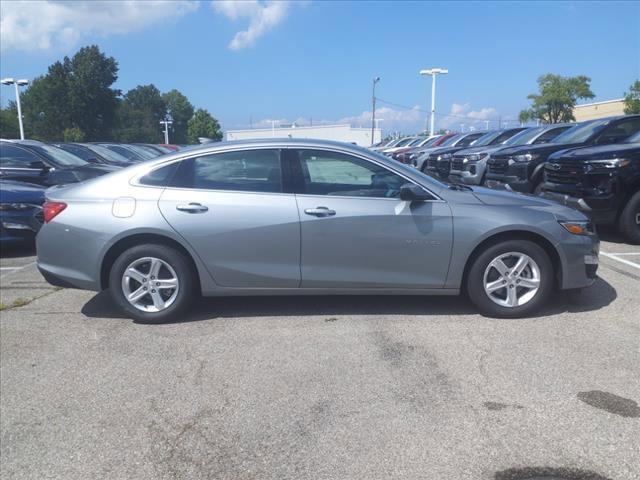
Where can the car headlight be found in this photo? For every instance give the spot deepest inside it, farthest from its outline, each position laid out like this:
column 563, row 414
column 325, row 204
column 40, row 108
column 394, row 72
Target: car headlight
column 444, row 156
column 476, row 157
column 527, row 157
column 7, row 207
column 609, row 163
column 578, row 228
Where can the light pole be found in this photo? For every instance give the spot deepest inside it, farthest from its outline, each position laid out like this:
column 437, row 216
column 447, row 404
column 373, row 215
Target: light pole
column 373, row 109
column 166, row 122
column 486, row 124
column 16, row 84
column 433, row 72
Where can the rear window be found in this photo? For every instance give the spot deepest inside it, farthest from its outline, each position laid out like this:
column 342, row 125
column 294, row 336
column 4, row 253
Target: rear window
column 160, row 177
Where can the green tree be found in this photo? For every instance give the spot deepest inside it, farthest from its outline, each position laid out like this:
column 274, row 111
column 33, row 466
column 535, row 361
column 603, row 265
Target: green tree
column 556, row 98
column 632, row 99
column 203, row 125
column 181, row 111
column 9, row 127
column 75, row 93
column 139, row 115
column 73, row 135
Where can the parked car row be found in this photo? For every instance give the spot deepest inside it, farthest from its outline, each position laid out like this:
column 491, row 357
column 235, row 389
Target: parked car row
column 28, row 167
column 593, row 166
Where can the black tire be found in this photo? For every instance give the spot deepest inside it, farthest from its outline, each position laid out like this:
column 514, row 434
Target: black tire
column 176, row 260
column 475, row 279
column 538, row 189
column 628, row 221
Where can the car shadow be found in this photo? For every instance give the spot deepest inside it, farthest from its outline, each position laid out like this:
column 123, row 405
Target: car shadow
column 27, row 249
column 612, row 235
column 593, row 298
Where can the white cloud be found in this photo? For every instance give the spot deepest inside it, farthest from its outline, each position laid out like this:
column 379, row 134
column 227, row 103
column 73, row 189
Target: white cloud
column 461, row 113
column 42, row 25
column 263, row 17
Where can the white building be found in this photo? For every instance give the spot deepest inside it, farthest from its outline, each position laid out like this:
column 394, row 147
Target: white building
column 339, row 133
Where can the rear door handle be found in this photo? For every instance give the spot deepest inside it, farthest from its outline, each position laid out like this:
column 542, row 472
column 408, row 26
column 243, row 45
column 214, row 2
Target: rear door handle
column 192, row 208
column 320, row 212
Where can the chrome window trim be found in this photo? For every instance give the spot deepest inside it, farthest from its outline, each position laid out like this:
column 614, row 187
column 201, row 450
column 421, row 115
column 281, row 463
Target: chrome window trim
column 135, row 180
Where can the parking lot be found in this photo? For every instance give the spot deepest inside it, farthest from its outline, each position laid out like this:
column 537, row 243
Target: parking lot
column 337, row 387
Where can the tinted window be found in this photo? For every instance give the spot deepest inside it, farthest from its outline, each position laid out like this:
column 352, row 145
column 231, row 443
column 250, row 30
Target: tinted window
column 11, row 156
column 619, row 131
column 333, row 173
column 245, row 171
column 504, row 136
column 469, row 139
column 160, row 176
column 581, row 132
column 83, row 153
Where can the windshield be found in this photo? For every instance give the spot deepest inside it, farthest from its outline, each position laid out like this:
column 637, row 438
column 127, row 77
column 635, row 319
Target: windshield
column 581, row 132
column 404, row 141
column 486, row 139
column 125, row 152
column 526, row 136
column 430, row 142
column 451, row 140
column 59, row 156
column 417, row 141
column 104, row 152
column 145, row 154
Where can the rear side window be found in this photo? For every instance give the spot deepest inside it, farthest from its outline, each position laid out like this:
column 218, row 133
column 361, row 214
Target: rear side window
column 241, row 171
column 15, row 157
column 160, row 177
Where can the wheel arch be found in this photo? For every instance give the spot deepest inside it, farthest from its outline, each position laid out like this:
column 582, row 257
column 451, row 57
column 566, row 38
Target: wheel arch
column 499, row 237
column 135, row 239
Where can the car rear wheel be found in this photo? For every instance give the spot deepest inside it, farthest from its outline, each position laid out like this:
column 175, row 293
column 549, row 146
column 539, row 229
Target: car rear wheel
column 510, row 279
column 152, row 283
column 629, row 222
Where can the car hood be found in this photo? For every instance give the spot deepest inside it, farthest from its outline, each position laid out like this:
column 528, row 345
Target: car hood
column 485, row 149
column 543, row 149
column 599, row 152
column 19, row 192
column 506, row 198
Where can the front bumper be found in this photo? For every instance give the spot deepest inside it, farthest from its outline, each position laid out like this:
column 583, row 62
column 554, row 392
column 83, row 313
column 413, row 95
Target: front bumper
column 603, row 216
column 581, row 261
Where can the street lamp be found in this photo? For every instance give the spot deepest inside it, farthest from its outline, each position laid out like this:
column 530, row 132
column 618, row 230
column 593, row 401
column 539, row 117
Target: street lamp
column 373, row 111
column 16, row 84
column 166, row 122
column 433, row 72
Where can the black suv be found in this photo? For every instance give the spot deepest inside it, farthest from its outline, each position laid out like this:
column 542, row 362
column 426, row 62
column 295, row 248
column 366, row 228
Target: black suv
column 521, row 167
column 603, row 181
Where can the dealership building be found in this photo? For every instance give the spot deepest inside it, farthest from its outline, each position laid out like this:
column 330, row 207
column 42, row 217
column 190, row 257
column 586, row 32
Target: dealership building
column 340, row 133
column 591, row 111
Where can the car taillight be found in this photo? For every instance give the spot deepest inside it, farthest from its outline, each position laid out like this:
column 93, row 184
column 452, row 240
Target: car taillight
column 51, row 209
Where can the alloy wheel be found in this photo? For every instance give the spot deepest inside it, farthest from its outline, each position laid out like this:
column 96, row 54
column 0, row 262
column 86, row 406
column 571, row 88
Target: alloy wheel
column 150, row 284
column 512, row 279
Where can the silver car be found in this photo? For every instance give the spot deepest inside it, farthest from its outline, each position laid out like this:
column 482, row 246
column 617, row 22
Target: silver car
column 305, row 217
column 469, row 165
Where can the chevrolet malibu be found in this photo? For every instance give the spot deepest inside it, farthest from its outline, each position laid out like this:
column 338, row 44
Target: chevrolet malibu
column 305, row 217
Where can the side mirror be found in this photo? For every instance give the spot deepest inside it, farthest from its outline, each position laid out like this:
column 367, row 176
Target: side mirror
column 410, row 192
column 38, row 165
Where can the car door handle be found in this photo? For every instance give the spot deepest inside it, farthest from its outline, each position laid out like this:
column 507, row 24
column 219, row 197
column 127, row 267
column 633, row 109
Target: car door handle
column 320, row 212
column 192, row 208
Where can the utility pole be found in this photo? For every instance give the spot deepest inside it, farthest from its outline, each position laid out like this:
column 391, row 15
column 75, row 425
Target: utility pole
column 433, row 72
column 462, row 128
column 166, row 122
column 17, row 84
column 373, row 110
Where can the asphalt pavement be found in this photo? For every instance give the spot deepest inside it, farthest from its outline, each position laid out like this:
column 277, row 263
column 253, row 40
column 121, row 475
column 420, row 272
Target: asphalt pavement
column 321, row 387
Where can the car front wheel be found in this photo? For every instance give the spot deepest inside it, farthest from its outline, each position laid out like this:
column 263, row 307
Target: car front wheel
column 152, row 283
column 629, row 222
column 510, row 279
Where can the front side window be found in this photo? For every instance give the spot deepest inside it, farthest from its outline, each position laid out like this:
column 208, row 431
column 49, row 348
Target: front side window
column 550, row 134
column 334, row 173
column 15, row 157
column 243, row 171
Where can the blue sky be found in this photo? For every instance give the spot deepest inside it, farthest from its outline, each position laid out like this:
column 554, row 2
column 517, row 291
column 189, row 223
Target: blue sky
column 315, row 59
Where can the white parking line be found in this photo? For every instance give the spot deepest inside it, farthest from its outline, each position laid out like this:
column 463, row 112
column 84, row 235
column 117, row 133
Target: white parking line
column 625, row 253
column 621, row 260
column 15, row 269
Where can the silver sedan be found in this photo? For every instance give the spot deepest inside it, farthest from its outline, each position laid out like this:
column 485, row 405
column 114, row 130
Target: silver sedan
column 305, row 217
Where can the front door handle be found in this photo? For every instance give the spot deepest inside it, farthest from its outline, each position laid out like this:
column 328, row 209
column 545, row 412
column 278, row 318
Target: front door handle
column 192, row 208
column 320, row 212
